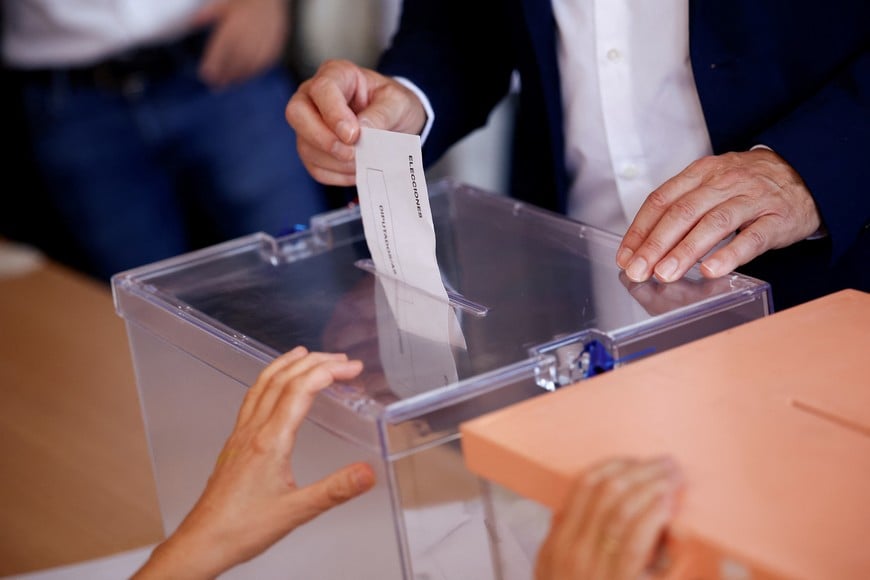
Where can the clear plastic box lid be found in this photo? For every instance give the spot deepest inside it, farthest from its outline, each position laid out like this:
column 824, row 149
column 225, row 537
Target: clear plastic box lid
column 521, row 281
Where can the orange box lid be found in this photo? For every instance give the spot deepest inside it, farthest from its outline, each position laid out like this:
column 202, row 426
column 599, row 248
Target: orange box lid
column 769, row 420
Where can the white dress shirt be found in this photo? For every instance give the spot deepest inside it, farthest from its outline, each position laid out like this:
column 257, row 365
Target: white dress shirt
column 57, row 33
column 632, row 114
column 632, row 117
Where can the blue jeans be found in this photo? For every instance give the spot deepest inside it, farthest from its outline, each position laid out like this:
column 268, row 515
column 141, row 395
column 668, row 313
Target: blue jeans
column 167, row 166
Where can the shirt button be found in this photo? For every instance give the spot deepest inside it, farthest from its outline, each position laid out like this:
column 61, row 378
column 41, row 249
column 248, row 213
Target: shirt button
column 613, row 55
column 629, row 172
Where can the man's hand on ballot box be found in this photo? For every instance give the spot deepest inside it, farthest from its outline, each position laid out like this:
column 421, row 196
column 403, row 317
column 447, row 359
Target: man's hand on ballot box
column 328, row 109
column 755, row 193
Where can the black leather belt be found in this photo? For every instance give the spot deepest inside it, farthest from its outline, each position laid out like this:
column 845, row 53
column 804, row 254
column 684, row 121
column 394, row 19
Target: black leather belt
column 129, row 70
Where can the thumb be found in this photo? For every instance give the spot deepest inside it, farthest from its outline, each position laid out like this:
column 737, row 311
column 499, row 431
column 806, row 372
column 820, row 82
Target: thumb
column 396, row 112
column 333, row 490
column 377, row 117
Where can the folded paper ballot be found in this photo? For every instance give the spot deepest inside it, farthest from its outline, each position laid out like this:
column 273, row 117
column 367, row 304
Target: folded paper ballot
column 770, row 421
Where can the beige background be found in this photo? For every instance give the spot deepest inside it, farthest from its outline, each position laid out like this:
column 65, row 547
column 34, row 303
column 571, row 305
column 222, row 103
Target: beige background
column 76, row 476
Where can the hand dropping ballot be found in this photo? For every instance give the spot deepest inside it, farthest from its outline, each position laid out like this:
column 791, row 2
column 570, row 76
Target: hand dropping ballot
column 397, row 220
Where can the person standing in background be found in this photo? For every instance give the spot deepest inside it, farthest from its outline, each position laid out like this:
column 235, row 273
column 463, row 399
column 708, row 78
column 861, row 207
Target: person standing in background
column 154, row 127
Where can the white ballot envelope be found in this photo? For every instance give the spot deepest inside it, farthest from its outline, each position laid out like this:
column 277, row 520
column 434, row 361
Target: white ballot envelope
column 417, row 325
column 394, row 204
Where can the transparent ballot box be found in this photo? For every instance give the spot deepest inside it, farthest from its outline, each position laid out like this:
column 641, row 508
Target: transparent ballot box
column 535, row 301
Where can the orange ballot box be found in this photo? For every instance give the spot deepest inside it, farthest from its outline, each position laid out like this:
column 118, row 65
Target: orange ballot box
column 769, row 420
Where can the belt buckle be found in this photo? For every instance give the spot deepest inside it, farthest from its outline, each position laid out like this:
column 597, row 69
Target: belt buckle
column 109, row 76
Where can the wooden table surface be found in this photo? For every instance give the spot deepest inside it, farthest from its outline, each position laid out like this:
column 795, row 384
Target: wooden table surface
column 75, row 474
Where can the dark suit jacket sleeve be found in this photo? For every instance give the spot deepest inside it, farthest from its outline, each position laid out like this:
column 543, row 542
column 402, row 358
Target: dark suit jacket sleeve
column 458, row 53
column 827, row 140
column 794, row 76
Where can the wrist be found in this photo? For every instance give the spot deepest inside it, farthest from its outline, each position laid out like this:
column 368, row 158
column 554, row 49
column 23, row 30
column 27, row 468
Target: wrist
column 183, row 556
column 424, row 101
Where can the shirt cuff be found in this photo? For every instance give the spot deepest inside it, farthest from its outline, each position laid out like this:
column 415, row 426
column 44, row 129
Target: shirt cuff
column 819, row 234
column 427, row 106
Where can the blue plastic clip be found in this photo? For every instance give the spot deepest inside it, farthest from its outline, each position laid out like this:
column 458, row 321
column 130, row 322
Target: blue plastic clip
column 595, row 360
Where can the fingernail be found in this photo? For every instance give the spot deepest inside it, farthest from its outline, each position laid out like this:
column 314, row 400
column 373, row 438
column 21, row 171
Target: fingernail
column 637, row 270
column 711, row 268
column 345, row 131
column 363, row 477
column 665, row 270
column 623, row 257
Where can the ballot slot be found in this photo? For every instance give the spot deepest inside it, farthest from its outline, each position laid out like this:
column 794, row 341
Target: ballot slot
column 338, row 226
column 455, row 299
